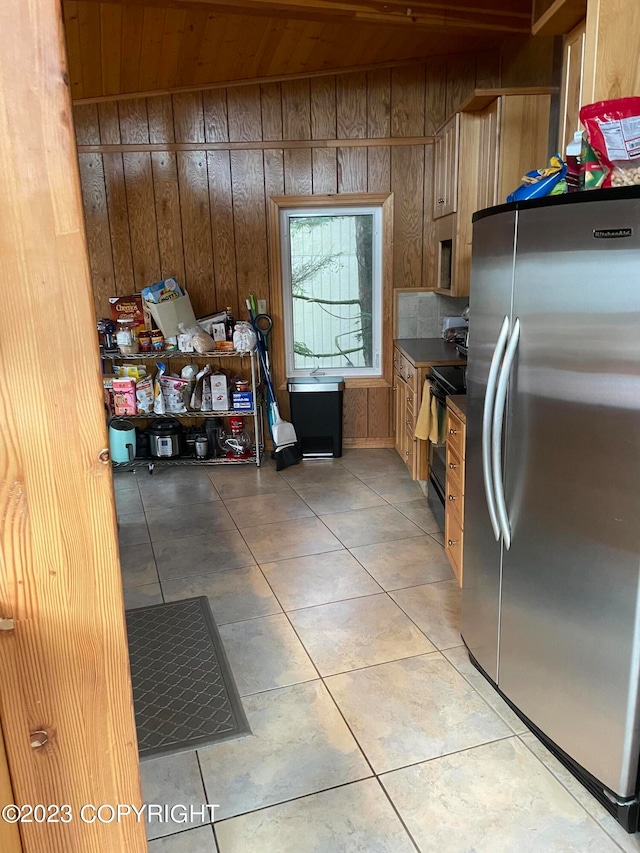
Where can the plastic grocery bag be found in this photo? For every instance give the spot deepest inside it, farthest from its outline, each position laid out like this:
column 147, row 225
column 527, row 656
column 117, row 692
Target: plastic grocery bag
column 158, row 397
column 613, row 131
column 244, row 337
column 200, row 340
column 200, row 399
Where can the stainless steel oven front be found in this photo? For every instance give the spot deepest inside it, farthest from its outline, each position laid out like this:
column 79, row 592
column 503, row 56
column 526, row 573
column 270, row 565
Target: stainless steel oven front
column 443, row 381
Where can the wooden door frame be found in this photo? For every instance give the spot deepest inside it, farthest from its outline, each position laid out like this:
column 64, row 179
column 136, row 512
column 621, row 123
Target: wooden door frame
column 65, row 695
column 9, row 832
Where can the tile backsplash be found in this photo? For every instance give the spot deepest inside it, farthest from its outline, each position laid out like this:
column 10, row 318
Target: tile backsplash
column 420, row 314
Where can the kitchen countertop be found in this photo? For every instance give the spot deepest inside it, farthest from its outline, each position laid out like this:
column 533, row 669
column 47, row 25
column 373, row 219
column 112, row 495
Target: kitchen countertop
column 422, row 352
column 458, row 405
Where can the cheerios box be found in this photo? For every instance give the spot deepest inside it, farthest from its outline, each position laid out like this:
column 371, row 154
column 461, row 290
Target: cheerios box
column 129, row 307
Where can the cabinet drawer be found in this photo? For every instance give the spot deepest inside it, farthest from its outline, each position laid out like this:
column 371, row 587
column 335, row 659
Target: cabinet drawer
column 412, row 403
column 455, row 434
column 453, row 543
column 410, row 423
column 398, row 364
column 409, row 373
column 455, row 470
column 409, row 454
column 455, row 500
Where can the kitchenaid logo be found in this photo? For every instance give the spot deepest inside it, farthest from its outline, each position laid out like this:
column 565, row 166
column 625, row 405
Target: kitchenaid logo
column 612, row 233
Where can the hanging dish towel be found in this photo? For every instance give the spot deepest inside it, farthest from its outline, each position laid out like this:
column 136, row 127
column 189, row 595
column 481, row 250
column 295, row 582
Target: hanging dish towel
column 423, row 424
column 430, row 423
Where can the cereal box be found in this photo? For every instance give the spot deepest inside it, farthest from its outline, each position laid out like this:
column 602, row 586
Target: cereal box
column 128, row 306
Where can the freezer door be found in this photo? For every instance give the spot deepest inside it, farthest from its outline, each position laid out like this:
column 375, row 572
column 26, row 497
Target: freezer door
column 490, row 303
column 569, row 650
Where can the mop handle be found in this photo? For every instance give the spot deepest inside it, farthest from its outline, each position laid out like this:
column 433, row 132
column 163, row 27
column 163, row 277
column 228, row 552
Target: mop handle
column 261, row 352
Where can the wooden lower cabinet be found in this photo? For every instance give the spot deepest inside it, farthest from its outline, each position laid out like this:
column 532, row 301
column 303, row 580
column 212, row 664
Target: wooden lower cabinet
column 400, row 406
column 454, row 504
column 408, row 382
column 409, row 377
column 453, row 532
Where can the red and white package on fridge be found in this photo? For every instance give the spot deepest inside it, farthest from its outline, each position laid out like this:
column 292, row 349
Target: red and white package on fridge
column 613, row 130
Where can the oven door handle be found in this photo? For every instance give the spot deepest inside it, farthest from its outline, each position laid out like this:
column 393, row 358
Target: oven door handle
column 498, row 421
column 487, row 422
column 436, row 391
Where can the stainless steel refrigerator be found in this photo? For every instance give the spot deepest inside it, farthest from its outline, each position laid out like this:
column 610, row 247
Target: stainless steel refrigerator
column 551, row 590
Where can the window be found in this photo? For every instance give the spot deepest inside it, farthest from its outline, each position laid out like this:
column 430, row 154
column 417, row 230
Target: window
column 332, row 289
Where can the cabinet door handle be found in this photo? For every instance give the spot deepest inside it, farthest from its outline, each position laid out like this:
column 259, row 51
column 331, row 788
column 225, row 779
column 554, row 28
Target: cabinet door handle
column 406, row 453
column 440, row 201
column 453, row 432
column 452, row 466
column 451, row 543
column 452, row 497
column 408, row 423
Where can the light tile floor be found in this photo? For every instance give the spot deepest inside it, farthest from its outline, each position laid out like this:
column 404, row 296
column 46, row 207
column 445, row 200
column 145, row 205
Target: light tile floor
column 372, row 732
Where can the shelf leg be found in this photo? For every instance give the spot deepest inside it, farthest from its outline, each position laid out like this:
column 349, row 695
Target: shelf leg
column 254, row 387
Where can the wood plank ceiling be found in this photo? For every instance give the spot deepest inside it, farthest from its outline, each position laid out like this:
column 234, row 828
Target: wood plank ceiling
column 150, row 45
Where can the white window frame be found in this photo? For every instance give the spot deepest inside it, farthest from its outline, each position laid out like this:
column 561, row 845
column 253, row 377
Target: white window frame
column 286, row 214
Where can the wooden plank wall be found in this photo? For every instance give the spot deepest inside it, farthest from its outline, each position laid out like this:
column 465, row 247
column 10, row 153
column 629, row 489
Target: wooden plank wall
column 200, row 214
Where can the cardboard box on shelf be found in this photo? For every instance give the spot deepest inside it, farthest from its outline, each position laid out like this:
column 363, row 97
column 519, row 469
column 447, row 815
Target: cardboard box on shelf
column 243, row 400
column 107, row 384
column 124, row 307
column 124, row 396
column 167, row 315
column 219, row 392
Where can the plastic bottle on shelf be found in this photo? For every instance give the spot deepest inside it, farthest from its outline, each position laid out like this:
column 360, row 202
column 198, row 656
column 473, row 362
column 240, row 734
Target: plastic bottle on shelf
column 127, row 336
column 229, row 323
column 574, row 150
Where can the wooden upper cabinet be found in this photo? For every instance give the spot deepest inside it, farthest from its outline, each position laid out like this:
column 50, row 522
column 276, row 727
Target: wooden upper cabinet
column 488, row 154
column 524, row 139
column 446, row 152
column 480, row 157
column 439, row 168
column 571, row 92
column 612, row 47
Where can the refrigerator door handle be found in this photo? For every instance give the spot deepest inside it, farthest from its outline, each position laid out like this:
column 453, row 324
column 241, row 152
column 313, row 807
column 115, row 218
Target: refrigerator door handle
column 496, row 441
column 487, row 420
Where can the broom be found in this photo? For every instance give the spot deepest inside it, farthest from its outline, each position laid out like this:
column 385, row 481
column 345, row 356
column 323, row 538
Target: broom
column 283, row 435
